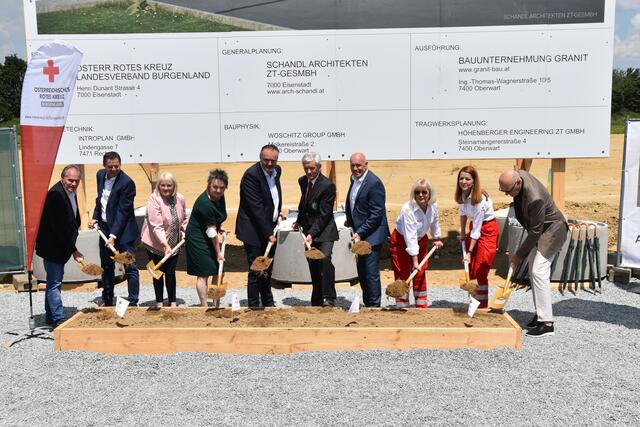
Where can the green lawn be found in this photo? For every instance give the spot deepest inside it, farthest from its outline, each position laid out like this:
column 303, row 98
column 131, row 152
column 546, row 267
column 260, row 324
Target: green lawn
column 618, row 121
column 114, row 19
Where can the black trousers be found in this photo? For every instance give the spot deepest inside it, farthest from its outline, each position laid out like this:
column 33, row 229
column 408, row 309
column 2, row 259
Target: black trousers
column 168, row 278
column 323, row 275
column 259, row 282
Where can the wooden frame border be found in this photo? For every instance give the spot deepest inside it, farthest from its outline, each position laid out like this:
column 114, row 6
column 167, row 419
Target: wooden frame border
column 279, row 340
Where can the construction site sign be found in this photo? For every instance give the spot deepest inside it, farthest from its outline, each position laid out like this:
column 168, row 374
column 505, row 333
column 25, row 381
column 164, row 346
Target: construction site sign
column 629, row 238
column 403, row 79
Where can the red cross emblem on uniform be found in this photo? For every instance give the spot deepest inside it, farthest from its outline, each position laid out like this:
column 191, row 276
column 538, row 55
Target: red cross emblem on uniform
column 50, row 70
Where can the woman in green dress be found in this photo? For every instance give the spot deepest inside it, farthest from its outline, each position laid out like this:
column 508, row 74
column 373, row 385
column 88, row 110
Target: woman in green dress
column 204, row 230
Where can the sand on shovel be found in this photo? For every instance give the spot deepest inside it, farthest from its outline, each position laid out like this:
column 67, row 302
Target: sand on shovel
column 261, row 263
column 91, row 269
column 361, row 248
column 397, row 289
column 124, row 258
column 216, row 292
column 472, row 287
column 314, row 253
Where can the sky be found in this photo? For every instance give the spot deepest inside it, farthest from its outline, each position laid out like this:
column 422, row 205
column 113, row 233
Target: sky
column 626, row 53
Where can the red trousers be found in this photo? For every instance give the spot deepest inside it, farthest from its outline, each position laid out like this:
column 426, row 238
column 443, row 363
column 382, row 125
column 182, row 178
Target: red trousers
column 482, row 259
column 403, row 265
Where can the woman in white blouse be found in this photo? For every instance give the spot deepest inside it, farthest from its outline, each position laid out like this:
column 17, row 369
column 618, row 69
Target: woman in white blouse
column 409, row 240
column 481, row 242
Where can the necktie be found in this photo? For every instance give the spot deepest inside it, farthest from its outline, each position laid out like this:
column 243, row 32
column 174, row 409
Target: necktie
column 309, row 188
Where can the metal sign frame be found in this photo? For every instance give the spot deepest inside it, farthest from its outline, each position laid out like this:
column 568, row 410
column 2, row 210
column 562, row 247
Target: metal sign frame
column 16, row 185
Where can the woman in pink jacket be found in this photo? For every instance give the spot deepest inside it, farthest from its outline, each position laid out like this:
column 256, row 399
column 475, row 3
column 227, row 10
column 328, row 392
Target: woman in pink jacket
column 163, row 226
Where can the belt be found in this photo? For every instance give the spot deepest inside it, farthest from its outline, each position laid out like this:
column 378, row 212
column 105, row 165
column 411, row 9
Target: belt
column 489, row 220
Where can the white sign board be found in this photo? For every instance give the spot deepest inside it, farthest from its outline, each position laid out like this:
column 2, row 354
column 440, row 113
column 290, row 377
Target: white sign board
column 409, row 79
column 629, row 238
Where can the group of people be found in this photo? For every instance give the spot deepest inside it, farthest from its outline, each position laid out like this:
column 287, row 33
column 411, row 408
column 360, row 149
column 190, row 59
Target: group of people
column 260, row 210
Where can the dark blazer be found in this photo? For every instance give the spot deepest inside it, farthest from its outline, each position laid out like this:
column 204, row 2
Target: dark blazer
column 121, row 218
column 254, row 223
column 315, row 214
column 545, row 224
column 368, row 216
column 58, row 229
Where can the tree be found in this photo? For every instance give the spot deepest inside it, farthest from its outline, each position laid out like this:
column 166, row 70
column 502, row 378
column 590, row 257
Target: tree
column 625, row 91
column 11, row 77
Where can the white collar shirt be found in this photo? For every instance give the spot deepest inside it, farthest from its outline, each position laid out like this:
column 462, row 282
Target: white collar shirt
column 413, row 224
column 72, row 199
column 106, row 192
column 477, row 214
column 357, row 183
column 273, row 188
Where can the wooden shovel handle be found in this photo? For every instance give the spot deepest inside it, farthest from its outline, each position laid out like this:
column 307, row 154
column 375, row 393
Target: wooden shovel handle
column 304, row 239
column 422, row 263
column 275, row 233
column 266, row 251
column 507, row 283
column 170, row 254
column 221, row 265
column 105, row 239
column 464, row 260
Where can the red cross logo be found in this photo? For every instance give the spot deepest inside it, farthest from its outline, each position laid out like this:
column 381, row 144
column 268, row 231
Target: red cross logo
column 50, row 70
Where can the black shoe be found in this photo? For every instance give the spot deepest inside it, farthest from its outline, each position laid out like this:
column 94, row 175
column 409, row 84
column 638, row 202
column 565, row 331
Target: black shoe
column 329, row 303
column 533, row 323
column 541, row 330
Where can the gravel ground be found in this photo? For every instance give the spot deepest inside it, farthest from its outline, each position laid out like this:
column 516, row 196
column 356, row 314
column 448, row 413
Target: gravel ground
column 586, row 374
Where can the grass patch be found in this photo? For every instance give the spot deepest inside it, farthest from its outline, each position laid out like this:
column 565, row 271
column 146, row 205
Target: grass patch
column 618, row 121
column 112, row 18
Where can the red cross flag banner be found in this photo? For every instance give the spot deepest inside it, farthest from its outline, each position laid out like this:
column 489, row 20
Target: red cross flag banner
column 46, row 95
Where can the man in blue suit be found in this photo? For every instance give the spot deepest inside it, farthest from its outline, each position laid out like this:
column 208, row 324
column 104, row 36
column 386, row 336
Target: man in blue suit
column 115, row 216
column 367, row 216
column 260, row 204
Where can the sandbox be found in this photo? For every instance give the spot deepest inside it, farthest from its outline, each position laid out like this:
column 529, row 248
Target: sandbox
column 282, row 330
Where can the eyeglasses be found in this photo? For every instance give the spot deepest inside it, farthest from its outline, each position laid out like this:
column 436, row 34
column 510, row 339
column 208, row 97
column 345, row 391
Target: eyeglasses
column 421, row 192
column 511, row 189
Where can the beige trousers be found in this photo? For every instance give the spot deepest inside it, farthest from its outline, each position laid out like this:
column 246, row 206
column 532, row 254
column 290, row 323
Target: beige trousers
column 540, row 275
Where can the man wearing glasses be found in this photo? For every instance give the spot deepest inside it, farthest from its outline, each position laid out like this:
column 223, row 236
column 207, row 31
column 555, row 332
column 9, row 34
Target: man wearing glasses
column 546, row 232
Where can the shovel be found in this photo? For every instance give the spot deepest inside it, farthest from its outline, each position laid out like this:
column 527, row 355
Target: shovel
column 566, row 266
column 220, row 290
column 401, row 287
column 578, row 261
column 311, row 253
column 361, row 247
column 596, row 250
column 263, row 262
column 467, row 285
column 500, row 298
column 89, row 268
column 152, row 267
column 591, row 259
column 124, row 258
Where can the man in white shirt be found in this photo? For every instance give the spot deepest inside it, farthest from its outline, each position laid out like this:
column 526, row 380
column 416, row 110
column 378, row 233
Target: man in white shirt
column 115, row 216
column 260, row 205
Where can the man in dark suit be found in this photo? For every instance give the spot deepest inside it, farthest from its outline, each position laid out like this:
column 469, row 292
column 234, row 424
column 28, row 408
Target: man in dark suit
column 546, row 232
column 367, row 216
column 115, row 216
column 260, row 204
column 57, row 236
column 315, row 217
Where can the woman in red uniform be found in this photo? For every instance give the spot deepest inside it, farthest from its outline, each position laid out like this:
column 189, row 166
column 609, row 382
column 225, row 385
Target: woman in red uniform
column 477, row 208
column 409, row 240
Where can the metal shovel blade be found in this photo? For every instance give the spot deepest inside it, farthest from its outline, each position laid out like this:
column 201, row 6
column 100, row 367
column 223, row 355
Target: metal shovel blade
column 151, row 267
column 261, row 263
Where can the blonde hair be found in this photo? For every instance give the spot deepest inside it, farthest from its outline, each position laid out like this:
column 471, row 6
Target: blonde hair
column 423, row 183
column 166, row 176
